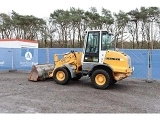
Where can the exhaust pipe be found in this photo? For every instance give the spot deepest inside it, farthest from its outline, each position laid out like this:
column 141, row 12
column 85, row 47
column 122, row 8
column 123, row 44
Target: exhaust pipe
column 40, row 72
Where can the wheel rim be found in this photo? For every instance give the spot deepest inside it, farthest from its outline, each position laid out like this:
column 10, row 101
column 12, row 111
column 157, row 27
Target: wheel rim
column 100, row 79
column 60, row 75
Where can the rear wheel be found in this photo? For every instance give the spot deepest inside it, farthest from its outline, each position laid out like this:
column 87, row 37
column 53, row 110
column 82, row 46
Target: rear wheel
column 61, row 76
column 100, row 79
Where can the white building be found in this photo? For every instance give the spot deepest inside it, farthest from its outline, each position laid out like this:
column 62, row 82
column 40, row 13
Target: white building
column 18, row 43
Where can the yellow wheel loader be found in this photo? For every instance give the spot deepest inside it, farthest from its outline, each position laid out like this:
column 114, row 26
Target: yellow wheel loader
column 99, row 61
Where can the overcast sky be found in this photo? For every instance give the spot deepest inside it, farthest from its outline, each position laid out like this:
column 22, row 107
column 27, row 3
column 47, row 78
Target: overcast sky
column 43, row 8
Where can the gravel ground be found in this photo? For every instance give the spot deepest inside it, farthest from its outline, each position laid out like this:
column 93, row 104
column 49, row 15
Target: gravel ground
column 18, row 95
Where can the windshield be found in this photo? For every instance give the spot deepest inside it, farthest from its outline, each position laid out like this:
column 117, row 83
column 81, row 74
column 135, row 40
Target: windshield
column 107, row 41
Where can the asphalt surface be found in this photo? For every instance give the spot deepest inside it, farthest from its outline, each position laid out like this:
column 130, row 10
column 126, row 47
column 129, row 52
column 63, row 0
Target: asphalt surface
column 18, row 95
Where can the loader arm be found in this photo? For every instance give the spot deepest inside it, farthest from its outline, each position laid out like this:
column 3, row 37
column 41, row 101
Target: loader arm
column 72, row 58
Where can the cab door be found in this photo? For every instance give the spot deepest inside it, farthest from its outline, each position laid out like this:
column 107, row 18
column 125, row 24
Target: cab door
column 91, row 51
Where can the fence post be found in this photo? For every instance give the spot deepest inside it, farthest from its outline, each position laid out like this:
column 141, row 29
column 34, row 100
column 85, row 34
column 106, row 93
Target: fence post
column 12, row 61
column 47, row 55
column 12, row 58
column 149, row 66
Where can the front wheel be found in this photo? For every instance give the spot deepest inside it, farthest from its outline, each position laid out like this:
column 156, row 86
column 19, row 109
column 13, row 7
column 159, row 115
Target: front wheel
column 100, row 79
column 61, row 76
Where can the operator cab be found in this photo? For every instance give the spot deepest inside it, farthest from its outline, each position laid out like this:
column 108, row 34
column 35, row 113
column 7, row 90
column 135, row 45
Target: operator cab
column 95, row 42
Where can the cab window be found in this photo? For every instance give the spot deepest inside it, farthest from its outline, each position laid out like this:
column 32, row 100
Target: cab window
column 106, row 41
column 92, row 42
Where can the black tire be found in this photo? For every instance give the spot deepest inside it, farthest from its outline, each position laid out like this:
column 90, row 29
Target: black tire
column 100, row 79
column 112, row 82
column 76, row 78
column 63, row 77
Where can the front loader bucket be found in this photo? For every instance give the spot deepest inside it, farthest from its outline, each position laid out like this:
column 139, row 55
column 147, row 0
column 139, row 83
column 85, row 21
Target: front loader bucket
column 40, row 72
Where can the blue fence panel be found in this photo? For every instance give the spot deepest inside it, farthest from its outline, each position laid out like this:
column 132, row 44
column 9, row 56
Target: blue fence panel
column 24, row 58
column 78, row 49
column 6, row 58
column 42, row 55
column 139, row 62
column 155, row 65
